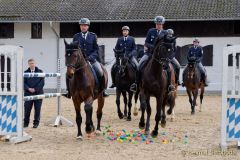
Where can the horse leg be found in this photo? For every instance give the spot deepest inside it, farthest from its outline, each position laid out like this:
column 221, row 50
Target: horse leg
column 201, row 97
column 190, row 100
column 99, row 112
column 163, row 116
column 171, row 102
column 135, row 110
column 120, row 115
column 195, row 94
column 149, row 111
column 172, row 115
column 157, row 117
column 77, row 106
column 143, row 105
column 88, row 110
column 125, row 104
column 130, row 95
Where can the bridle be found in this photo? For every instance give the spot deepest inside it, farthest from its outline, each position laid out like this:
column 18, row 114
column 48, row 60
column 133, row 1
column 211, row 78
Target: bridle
column 78, row 66
column 162, row 61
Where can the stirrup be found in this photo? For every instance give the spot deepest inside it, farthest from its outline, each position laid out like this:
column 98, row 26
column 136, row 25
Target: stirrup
column 133, row 87
column 105, row 94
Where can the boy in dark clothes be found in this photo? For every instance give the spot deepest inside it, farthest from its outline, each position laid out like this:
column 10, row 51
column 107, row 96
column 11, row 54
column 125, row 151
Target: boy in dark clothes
column 33, row 86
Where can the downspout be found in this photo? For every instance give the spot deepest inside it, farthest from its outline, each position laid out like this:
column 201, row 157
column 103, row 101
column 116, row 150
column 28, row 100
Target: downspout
column 58, row 68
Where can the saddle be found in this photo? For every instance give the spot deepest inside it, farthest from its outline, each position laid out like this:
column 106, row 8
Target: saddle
column 96, row 77
column 134, row 66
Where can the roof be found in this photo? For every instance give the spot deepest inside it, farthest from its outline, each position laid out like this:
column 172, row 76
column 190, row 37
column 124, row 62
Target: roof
column 118, row 10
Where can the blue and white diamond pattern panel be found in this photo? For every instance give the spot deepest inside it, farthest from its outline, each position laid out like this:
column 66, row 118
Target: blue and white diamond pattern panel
column 233, row 118
column 8, row 114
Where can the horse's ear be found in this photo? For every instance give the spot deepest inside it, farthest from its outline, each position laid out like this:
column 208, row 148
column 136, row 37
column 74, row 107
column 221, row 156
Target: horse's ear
column 65, row 42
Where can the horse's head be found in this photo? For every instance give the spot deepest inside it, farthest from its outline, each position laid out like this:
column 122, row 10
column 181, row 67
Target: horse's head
column 191, row 67
column 123, row 60
column 192, row 62
column 73, row 57
column 163, row 47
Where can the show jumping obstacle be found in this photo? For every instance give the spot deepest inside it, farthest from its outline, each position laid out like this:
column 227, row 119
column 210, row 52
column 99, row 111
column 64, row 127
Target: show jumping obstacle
column 230, row 124
column 11, row 94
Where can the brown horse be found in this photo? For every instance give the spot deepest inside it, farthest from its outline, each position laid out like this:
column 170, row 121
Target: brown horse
column 154, row 83
column 83, row 87
column 192, row 81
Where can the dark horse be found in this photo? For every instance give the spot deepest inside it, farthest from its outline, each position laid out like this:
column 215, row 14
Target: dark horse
column 83, row 87
column 125, row 76
column 154, row 83
column 192, row 81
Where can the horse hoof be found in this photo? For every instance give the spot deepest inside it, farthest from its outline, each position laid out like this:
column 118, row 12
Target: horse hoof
column 154, row 134
column 129, row 118
column 120, row 115
column 79, row 138
column 141, row 125
column 125, row 117
column 193, row 112
column 89, row 130
column 98, row 132
column 163, row 125
column 169, row 111
column 147, row 133
column 135, row 111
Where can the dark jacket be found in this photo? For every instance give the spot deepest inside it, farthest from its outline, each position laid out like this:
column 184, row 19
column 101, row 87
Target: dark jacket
column 89, row 45
column 195, row 52
column 128, row 46
column 34, row 82
column 152, row 36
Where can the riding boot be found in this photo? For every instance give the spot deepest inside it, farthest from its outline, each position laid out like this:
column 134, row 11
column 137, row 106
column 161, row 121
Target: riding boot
column 170, row 86
column 205, row 80
column 101, row 86
column 183, row 85
column 68, row 94
column 177, row 76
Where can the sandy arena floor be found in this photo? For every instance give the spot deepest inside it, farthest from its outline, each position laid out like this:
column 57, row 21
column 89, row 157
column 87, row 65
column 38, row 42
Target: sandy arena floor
column 202, row 130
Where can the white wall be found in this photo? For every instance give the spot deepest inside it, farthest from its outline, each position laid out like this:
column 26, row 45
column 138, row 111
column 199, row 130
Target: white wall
column 44, row 51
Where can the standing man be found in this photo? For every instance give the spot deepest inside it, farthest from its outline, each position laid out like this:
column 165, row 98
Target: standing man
column 125, row 44
column 33, row 86
column 88, row 43
column 196, row 52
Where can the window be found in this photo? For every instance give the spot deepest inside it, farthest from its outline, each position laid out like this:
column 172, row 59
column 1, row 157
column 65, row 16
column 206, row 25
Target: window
column 2, row 69
column 182, row 52
column 6, row 30
column 230, row 59
column 36, row 30
column 101, row 52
